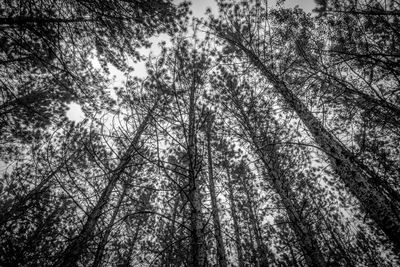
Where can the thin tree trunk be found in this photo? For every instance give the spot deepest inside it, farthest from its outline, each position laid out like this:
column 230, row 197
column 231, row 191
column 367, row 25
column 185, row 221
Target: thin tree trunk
column 336, row 238
column 132, row 242
column 103, row 242
column 254, row 256
column 215, row 212
column 254, row 222
column 170, row 250
column 76, row 248
column 383, row 208
column 235, row 219
column 294, row 260
column 127, row 256
column 303, row 231
column 197, row 255
column 139, row 222
column 270, row 158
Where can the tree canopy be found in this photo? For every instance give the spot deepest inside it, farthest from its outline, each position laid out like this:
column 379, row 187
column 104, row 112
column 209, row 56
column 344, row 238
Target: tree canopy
column 259, row 135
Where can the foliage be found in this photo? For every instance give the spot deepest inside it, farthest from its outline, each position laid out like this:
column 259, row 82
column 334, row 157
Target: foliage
column 250, row 141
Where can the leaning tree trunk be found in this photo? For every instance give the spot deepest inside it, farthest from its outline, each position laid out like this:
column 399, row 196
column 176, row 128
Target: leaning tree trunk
column 215, row 212
column 299, row 224
column 104, row 239
column 79, row 244
column 262, row 253
column 126, row 262
column 270, row 158
column 339, row 244
column 383, row 208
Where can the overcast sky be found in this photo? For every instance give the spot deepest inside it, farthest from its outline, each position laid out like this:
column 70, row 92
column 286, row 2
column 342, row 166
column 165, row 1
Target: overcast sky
column 199, row 6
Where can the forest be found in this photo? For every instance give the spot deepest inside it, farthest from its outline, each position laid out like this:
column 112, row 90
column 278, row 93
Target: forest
column 259, row 135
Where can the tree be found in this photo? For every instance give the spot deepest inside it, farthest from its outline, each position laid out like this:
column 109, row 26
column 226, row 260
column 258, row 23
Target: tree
column 382, row 207
column 265, row 148
column 48, row 48
column 260, row 137
column 75, row 249
column 215, row 210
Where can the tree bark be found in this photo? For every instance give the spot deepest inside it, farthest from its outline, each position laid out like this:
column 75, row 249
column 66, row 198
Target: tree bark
column 262, row 253
column 79, row 244
column 270, row 158
column 235, row 219
column 197, row 255
column 381, row 207
column 214, row 204
column 169, row 259
column 300, row 226
column 132, row 242
column 103, row 242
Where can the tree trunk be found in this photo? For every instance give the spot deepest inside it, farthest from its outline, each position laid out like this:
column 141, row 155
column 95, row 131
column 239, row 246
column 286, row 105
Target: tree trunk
column 270, row 158
column 132, row 242
column 235, row 219
column 197, row 254
column 382, row 208
column 214, row 204
column 302, row 229
column 170, row 251
column 262, row 253
column 103, row 242
column 339, row 244
column 75, row 249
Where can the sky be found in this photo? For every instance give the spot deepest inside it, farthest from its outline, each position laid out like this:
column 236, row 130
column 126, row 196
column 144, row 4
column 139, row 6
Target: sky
column 198, row 8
